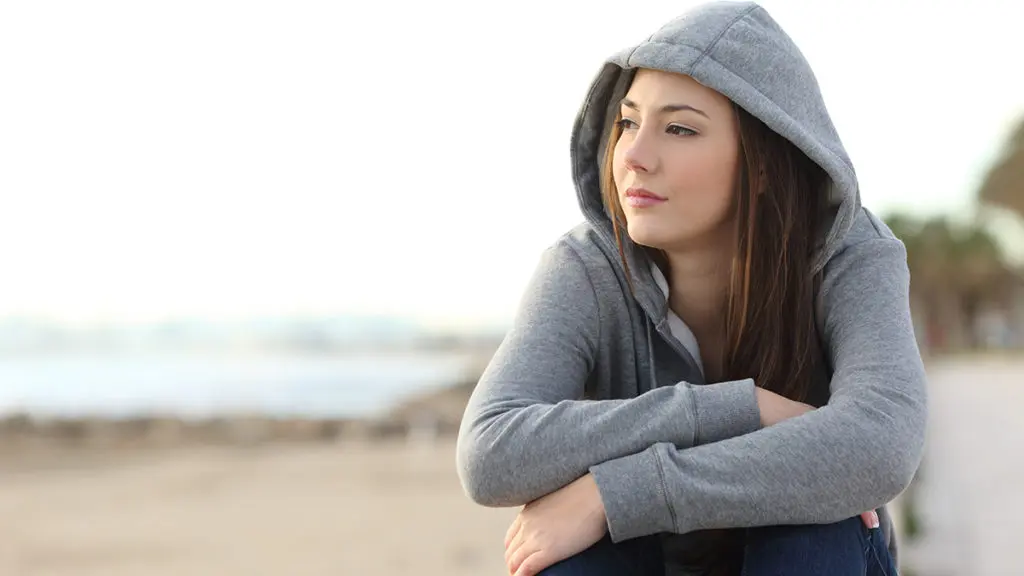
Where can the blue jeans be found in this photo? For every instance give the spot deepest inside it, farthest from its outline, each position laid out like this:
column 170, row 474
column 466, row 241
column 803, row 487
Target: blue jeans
column 846, row 548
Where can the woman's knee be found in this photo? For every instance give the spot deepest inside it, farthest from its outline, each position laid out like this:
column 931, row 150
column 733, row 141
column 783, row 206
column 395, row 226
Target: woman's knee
column 841, row 548
column 636, row 557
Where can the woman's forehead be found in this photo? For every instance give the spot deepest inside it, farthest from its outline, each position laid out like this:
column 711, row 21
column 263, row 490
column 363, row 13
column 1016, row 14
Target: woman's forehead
column 656, row 85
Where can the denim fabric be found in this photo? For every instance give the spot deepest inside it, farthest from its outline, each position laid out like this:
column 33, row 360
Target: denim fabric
column 846, row 548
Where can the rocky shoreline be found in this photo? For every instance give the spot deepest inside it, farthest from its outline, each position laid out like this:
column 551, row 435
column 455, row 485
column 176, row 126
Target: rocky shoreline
column 432, row 414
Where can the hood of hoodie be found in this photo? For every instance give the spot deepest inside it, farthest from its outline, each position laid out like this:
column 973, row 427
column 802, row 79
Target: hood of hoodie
column 737, row 49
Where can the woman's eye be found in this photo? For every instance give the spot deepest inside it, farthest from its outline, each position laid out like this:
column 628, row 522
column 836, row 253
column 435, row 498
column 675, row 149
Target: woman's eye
column 626, row 124
column 677, row 130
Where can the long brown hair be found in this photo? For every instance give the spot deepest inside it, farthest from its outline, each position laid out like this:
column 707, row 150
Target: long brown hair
column 769, row 324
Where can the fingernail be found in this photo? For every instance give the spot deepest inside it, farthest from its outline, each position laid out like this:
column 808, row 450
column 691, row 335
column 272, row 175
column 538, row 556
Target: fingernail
column 874, row 520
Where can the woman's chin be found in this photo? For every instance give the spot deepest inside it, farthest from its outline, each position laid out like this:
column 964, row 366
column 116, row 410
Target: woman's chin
column 645, row 236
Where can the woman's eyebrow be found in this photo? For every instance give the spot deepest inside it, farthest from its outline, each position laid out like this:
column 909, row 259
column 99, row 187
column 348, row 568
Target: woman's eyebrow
column 666, row 108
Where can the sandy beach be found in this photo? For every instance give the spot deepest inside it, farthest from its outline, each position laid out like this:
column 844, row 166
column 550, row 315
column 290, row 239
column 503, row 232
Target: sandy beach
column 395, row 507
column 350, row 508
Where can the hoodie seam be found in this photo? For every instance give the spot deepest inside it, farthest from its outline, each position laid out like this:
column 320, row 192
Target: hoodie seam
column 593, row 290
column 824, row 291
column 664, row 492
column 696, row 417
column 714, row 42
column 637, row 47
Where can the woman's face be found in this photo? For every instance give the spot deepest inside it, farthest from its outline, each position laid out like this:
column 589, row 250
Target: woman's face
column 675, row 163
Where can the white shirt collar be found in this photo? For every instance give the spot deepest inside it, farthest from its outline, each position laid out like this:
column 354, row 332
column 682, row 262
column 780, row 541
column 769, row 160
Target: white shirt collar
column 676, row 325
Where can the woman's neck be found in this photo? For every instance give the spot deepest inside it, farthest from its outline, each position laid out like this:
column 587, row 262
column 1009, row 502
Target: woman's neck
column 699, row 282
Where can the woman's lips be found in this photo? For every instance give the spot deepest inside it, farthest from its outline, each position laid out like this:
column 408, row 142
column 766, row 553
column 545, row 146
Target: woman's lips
column 642, row 201
column 640, row 198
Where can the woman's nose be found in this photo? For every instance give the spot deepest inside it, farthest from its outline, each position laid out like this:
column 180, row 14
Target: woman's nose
column 633, row 163
column 638, row 158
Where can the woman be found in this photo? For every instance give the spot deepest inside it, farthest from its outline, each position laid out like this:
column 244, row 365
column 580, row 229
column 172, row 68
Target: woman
column 716, row 372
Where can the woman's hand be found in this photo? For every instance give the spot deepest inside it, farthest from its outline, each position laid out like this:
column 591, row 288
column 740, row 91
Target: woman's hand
column 775, row 408
column 555, row 527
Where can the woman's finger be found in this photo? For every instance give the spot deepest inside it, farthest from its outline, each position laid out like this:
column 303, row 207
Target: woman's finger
column 514, row 544
column 513, row 529
column 532, row 565
column 870, row 519
column 515, row 560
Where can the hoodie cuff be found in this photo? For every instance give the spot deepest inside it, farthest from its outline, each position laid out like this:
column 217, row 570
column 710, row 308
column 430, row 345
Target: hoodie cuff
column 725, row 410
column 633, row 491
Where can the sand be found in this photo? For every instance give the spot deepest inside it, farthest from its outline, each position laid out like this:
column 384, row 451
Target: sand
column 350, row 508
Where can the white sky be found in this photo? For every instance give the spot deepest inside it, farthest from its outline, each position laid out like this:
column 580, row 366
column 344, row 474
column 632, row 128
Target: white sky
column 221, row 159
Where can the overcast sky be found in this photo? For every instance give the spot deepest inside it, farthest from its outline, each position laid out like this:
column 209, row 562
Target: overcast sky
column 224, row 158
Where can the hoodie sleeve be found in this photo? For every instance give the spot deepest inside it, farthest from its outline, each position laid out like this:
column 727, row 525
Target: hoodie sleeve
column 526, row 432
column 854, row 454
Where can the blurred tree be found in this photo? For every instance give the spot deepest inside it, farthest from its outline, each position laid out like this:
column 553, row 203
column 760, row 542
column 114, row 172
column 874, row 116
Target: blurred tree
column 957, row 273
column 1004, row 184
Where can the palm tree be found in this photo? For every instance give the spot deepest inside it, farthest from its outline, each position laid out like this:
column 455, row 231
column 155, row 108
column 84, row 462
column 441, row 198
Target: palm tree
column 1004, row 184
column 957, row 272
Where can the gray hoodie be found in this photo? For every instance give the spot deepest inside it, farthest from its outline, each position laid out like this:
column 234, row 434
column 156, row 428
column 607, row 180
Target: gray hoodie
column 591, row 378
